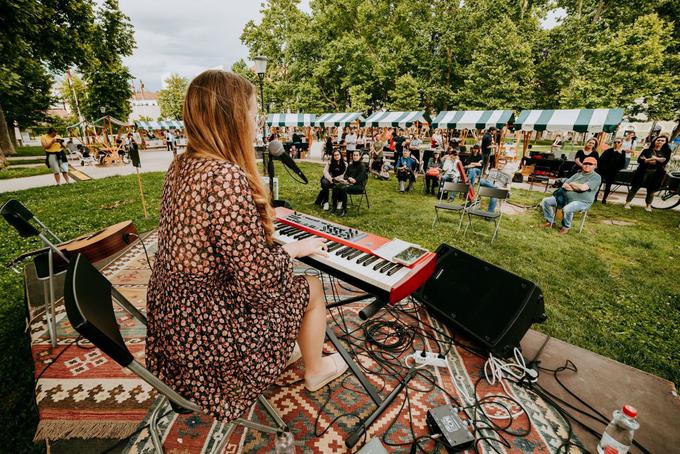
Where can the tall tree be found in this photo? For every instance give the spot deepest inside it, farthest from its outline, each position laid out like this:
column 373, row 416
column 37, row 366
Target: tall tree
column 171, row 98
column 108, row 80
column 405, row 96
column 37, row 38
column 73, row 93
column 500, row 75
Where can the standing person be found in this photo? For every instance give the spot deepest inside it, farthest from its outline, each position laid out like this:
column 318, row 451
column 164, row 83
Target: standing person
column 350, row 144
column 437, row 140
column 353, row 183
column 55, row 157
column 333, row 172
column 414, row 146
column 577, row 194
column 650, row 171
column 432, row 172
column 487, row 147
column 328, row 148
column 376, row 161
column 612, row 160
column 170, row 141
column 224, row 307
column 628, row 145
column 589, row 151
column 399, row 140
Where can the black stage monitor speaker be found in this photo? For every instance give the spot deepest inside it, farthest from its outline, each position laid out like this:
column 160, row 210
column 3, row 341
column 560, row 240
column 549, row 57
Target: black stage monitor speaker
column 491, row 305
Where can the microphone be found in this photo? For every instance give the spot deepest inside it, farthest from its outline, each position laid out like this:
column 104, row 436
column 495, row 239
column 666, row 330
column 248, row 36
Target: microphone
column 275, row 149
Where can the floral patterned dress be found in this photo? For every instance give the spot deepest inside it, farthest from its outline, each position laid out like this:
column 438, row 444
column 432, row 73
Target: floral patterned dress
column 223, row 307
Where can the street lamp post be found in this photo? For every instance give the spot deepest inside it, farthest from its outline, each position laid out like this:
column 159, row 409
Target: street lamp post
column 261, row 69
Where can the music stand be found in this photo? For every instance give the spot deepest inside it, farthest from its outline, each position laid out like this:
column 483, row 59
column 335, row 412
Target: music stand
column 19, row 217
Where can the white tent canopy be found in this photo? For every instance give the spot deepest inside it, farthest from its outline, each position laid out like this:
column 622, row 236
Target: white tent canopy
column 338, row 119
column 288, row 119
column 395, row 119
column 577, row 120
column 472, row 119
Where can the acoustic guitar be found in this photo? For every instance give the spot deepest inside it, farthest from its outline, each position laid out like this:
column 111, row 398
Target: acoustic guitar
column 102, row 244
column 94, row 246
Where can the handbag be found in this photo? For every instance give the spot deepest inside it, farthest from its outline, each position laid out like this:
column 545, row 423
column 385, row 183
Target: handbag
column 432, row 172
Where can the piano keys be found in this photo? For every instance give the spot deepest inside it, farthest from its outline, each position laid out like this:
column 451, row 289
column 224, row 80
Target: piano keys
column 351, row 258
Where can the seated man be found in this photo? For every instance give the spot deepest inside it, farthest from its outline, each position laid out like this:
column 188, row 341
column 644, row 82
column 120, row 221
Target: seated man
column 496, row 178
column 406, row 170
column 474, row 166
column 578, row 195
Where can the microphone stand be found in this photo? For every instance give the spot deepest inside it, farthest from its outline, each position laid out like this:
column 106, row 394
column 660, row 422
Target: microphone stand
column 271, row 173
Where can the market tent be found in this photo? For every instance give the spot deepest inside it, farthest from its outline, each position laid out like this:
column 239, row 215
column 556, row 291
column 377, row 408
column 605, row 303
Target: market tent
column 472, row 119
column 577, row 120
column 300, row 119
column 338, row 119
column 394, row 119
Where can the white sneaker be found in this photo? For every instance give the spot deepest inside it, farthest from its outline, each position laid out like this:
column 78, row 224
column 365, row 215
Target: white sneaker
column 626, row 205
column 648, row 208
column 325, row 206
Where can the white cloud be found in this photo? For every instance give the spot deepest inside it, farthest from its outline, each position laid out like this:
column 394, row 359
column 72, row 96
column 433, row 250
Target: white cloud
column 187, row 37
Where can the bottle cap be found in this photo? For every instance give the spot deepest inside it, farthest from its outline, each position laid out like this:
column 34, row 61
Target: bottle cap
column 629, row 411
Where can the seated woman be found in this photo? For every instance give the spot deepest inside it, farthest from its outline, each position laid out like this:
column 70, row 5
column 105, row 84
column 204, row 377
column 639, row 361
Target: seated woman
column 432, row 172
column 474, row 167
column 224, row 308
column 332, row 173
column 406, row 170
column 353, row 183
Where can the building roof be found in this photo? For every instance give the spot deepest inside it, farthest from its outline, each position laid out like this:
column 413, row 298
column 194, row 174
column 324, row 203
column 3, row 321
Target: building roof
column 148, row 95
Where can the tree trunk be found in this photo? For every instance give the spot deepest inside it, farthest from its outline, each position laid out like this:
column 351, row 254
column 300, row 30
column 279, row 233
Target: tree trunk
column 6, row 146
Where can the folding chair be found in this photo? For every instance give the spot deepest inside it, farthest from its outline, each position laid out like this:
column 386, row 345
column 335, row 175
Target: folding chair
column 47, row 266
column 89, row 308
column 501, row 195
column 361, row 195
column 452, row 189
column 583, row 218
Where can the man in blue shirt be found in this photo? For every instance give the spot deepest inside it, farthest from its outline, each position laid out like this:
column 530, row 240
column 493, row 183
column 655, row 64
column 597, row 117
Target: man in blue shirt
column 405, row 169
column 579, row 194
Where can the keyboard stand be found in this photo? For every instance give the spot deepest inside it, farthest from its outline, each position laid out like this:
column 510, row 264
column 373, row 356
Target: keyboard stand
column 382, row 404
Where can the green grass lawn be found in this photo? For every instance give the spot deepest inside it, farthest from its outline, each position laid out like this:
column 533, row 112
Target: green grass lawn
column 19, row 172
column 613, row 289
column 29, row 151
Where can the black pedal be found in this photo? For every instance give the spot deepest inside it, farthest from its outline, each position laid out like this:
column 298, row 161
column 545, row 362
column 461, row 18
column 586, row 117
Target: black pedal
column 445, row 421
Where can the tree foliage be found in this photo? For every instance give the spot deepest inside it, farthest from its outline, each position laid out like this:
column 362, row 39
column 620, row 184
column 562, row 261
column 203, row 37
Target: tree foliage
column 108, row 80
column 171, row 98
column 482, row 54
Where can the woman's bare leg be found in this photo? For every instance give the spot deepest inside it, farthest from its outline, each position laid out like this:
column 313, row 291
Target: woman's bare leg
column 313, row 329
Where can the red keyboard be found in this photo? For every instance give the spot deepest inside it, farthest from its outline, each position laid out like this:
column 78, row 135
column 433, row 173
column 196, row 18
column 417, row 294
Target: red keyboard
column 351, row 258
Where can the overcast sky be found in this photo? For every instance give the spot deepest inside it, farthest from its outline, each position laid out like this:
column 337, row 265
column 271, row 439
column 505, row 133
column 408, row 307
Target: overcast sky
column 186, row 37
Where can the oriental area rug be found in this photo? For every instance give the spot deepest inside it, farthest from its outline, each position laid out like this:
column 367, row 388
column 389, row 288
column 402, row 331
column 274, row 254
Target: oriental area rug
column 82, row 393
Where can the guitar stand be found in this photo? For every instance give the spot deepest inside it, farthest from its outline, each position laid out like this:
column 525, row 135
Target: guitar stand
column 381, row 403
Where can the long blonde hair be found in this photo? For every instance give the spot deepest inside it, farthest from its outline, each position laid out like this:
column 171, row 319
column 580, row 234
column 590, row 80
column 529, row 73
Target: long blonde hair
column 216, row 110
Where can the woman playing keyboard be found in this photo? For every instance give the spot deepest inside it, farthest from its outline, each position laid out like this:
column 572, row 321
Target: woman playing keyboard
column 224, row 308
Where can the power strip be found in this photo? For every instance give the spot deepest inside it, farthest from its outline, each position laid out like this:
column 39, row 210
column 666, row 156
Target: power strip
column 430, row 358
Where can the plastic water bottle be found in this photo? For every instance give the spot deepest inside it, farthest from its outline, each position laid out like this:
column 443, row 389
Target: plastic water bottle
column 285, row 443
column 618, row 436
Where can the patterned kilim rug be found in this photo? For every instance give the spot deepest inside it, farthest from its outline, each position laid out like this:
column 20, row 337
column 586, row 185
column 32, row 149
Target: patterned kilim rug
column 85, row 394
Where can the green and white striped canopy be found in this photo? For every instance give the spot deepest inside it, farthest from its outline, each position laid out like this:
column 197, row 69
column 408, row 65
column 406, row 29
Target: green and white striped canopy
column 172, row 124
column 148, row 125
column 394, row 119
column 472, row 119
column 338, row 119
column 577, row 120
column 288, row 119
